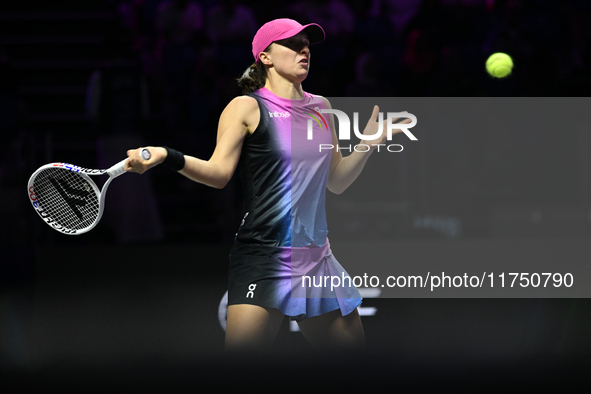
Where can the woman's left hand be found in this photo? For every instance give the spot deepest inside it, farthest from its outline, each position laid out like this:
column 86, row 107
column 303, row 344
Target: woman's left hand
column 373, row 127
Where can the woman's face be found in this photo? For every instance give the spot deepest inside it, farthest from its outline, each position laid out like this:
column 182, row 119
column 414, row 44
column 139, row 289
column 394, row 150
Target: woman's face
column 291, row 57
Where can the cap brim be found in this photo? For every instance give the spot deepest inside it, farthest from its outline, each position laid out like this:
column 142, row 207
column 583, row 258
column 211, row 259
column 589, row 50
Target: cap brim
column 314, row 31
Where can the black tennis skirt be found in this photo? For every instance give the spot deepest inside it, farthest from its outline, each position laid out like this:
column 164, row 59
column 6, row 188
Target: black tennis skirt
column 301, row 282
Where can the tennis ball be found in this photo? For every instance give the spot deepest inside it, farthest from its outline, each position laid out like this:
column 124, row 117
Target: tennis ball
column 499, row 65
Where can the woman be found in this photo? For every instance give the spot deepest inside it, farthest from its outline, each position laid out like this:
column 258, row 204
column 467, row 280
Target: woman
column 284, row 180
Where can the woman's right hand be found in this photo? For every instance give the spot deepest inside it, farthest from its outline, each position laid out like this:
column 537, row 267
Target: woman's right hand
column 135, row 163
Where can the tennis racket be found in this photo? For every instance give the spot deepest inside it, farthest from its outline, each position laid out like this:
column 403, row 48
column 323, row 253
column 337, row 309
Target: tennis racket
column 67, row 199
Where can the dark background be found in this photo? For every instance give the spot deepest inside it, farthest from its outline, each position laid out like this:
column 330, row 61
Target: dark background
column 135, row 302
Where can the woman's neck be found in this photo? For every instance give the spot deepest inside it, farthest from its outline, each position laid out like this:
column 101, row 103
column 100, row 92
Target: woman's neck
column 284, row 88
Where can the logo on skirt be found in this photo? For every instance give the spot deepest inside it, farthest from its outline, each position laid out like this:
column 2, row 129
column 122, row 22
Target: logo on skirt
column 251, row 288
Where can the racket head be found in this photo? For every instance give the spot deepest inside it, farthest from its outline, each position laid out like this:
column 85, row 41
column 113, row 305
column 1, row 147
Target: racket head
column 66, row 198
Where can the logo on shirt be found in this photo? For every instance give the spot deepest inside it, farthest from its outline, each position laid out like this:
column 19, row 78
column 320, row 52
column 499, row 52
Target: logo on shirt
column 278, row 114
column 317, row 116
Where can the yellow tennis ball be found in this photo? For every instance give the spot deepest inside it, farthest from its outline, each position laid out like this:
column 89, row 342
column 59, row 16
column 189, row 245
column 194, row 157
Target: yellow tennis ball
column 499, row 65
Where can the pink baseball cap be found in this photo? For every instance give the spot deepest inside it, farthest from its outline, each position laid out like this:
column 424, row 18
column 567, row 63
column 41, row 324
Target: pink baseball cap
column 280, row 29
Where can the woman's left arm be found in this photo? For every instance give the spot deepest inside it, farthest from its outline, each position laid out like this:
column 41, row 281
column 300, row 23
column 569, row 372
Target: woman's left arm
column 344, row 170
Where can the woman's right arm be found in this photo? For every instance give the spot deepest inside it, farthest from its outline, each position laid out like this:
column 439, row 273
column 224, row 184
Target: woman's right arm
column 239, row 118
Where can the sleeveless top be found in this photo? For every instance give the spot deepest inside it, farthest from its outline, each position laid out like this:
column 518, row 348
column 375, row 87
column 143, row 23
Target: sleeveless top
column 284, row 173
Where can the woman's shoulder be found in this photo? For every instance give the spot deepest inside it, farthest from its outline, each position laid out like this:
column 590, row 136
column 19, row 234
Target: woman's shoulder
column 320, row 98
column 242, row 110
column 244, row 100
column 243, row 104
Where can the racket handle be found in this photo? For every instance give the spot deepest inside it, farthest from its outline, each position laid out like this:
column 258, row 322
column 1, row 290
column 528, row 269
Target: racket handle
column 117, row 169
column 145, row 154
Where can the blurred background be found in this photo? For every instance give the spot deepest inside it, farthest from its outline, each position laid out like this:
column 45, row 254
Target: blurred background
column 82, row 82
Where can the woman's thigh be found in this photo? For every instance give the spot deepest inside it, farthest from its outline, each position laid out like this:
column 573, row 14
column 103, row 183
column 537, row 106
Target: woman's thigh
column 251, row 327
column 334, row 331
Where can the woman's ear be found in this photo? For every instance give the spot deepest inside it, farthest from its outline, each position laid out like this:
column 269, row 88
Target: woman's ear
column 265, row 59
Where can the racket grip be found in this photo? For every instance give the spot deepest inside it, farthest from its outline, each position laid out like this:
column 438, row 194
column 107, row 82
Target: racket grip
column 117, row 169
column 145, row 154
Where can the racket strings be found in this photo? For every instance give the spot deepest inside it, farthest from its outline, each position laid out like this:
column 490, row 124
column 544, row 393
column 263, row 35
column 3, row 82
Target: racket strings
column 67, row 198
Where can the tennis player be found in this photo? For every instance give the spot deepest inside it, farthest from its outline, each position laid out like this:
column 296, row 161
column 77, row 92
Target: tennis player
column 284, row 177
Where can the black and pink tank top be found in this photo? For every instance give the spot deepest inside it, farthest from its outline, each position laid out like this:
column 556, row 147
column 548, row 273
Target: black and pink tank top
column 284, row 173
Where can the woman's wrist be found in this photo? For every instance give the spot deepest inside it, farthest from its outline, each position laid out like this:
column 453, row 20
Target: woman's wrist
column 366, row 146
column 174, row 159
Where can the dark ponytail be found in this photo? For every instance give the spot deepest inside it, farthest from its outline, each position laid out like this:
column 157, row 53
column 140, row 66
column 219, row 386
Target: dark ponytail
column 253, row 78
